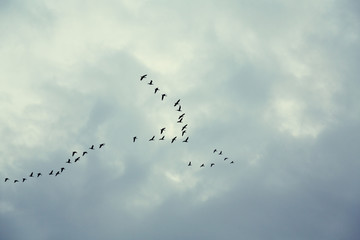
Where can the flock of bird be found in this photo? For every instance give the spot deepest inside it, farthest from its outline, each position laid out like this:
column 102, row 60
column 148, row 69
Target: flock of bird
column 182, row 136
column 55, row 172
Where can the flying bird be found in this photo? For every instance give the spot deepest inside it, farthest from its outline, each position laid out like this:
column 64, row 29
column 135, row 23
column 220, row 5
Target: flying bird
column 92, row 147
column 62, row 169
column 156, row 89
column 212, row 164
column 214, row 150
column 151, row 82
column 179, row 109
column 183, row 132
column 39, row 174
column 186, row 140
column 225, row 158
column 73, row 153
column 68, row 161
column 134, row 138
column 51, row 173
column 162, row 130
column 162, row 138
column 172, row 140
column 85, row 152
column 6, row 179
column 181, row 116
column 163, row 96
column 183, row 128
column 15, row 181
column 142, row 77
column 220, row 153
column 202, row 165
column 189, row 164
column 176, row 103
column 152, row 139
column 31, row 174
column 180, row 120
column 77, row 159
column 57, row 173
column 101, row 145
column 24, row 179
column 231, row 162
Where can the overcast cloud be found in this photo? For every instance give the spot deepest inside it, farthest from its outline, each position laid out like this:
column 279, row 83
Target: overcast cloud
column 273, row 84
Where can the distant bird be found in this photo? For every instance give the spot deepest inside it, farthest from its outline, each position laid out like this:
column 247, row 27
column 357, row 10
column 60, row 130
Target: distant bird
column 68, row 161
column 92, row 147
column 73, row 153
column 62, row 169
column 162, row 130
column 152, row 139
column 15, row 181
column 6, row 179
column 220, row 153
column 183, row 128
column 57, row 173
column 163, row 96
column 51, row 173
column 85, row 152
column 24, row 179
column 179, row 109
column 214, row 150
column 162, row 138
column 77, row 159
column 202, row 165
column 172, row 140
column 134, row 138
column 151, row 82
column 156, row 89
column 101, row 145
column 142, row 77
column 186, row 140
column 212, row 164
column 39, row 174
column 183, row 132
column 180, row 120
column 181, row 116
column 31, row 174
column 176, row 103
column 231, row 162
column 225, row 158
column 189, row 164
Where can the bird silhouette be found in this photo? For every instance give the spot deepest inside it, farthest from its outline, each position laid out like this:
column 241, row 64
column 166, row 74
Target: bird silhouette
column 162, row 138
column 214, row 150
column 24, row 179
column 142, row 77
column 179, row 109
column 202, row 165
column 151, row 82
column 85, row 152
column 134, row 138
column 225, row 158
column 189, row 164
column 162, row 130
column 186, row 140
column 6, row 179
column 231, row 162
column 163, row 96
column 51, row 173
column 39, row 174
column 68, row 161
column 181, row 116
column 220, row 153
column 31, row 174
column 156, row 89
column 176, row 103
column 92, row 147
column 77, row 159
column 57, row 173
column 212, row 164
column 152, row 139
column 15, row 181
column 172, row 140
column 73, row 153
column 183, row 132
column 101, row 145
column 62, row 169
column 183, row 128
column 180, row 120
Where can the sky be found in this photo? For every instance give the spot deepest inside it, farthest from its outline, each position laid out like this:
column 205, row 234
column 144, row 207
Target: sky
column 272, row 84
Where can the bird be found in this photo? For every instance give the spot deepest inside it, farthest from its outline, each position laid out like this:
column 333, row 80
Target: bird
column 172, row 140
column 73, row 153
column 62, row 169
column 176, row 103
column 212, row 164
column 202, row 165
column 6, row 179
column 39, row 174
column 179, row 109
column 162, row 138
column 183, row 132
column 225, row 158
column 57, row 173
column 31, row 174
column 134, row 138
column 24, row 179
column 51, row 173
column 143, row 76
column 162, row 130
column 181, row 116
column 156, row 89
column 77, row 159
column 92, row 147
column 15, row 181
column 151, row 82
column 85, row 152
column 220, row 153
column 186, row 140
column 163, row 96
column 183, row 128
column 189, row 164
column 180, row 120
column 68, row 161
column 214, row 151
column 152, row 139
column 101, row 145
column 231, row 162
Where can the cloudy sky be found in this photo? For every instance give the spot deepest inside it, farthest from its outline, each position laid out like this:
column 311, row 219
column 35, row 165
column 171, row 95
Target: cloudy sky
column 273, row 84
